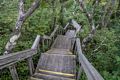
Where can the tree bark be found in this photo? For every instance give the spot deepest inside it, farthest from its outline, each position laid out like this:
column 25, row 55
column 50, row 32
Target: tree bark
column 108, row 11
column 17, row 32
column 21, row 18
column 62, row 13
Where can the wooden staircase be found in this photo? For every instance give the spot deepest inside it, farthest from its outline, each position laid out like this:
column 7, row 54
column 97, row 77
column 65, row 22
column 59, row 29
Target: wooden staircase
column 58, row 63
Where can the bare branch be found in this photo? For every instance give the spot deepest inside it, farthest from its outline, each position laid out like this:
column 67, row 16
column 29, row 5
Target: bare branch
column 108, row 11
column 96, row 2
column 33, row 7
column 100, row 45
column 89, row 16
column 87, row 39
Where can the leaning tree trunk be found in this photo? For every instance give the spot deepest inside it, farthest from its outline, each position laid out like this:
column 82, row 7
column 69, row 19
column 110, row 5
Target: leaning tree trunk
column 62, row 13
column 17, row 31
column 53, row 12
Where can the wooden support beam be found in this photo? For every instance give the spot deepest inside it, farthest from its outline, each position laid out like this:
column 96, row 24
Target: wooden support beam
column 74, row 24
column 29, row 60
column 13, row 72
column 36, row 42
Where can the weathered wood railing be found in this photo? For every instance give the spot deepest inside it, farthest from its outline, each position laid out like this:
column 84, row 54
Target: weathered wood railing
column 30, row 61
column 74, row 24
column 48, row 40
column 13, row 58
column 85, row 65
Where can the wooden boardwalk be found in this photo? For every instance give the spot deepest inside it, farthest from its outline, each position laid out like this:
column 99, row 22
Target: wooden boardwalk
column 58, row 63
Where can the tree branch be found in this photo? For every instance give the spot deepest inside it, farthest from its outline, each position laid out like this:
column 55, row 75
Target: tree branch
column 21, row 7
column 21, row 18
column 108, row 11
column 33, row 7
column 89, row 16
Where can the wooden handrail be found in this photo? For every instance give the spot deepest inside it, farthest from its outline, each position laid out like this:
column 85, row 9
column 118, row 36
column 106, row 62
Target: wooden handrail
column 67, row 25
column 52, row 34
column 29, row 60
column 36, row 42
column 9, row 59
column 74, row 24
column 91, row 72
column 13, row 58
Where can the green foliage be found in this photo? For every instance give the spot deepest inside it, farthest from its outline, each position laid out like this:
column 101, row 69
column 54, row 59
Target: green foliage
column 103, row 51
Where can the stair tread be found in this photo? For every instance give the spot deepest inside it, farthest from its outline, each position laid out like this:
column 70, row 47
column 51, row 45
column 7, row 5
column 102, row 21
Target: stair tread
column 59, row 51
column 62, row 42
column 70, row 34
column 33, row 78
column 50, row 77
column 54, row 73
column 57, row 63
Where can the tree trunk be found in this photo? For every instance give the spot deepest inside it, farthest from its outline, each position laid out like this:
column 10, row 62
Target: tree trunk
column 17, row 31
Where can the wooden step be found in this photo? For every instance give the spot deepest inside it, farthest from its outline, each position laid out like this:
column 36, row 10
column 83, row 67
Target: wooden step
column 59, row 51
column 54, row 73
column 62, row 42
column 33, row 78
column 70, row 34
column 50, row 77
column 57, row 63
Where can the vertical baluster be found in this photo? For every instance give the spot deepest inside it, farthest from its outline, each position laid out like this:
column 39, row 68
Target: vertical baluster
column 31, row 65
column 53, row 39
column 47, row 43
column 60, row 29
column 13, row 72
column 29, row 60
column 75, row 48
column 57, row 32
column 43, row 43
column 79, row 73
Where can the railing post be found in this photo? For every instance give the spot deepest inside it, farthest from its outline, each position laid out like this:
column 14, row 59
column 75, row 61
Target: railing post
column 79, row 73
column 43, row 44
column 31, row 65
column 30, row 61
column 13, row 72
